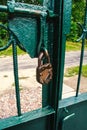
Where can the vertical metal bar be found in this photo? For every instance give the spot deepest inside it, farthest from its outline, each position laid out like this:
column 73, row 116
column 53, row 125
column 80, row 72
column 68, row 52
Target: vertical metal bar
column 15, row 63
column 80, row 67
column 82, row 50
column 55, row 36
column 46, row 88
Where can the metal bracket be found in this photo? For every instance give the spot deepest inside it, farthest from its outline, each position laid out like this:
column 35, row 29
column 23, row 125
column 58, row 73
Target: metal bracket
column 11, row 6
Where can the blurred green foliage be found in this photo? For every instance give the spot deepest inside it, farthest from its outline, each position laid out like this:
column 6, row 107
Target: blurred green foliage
column 3, row 2
column 78, row 11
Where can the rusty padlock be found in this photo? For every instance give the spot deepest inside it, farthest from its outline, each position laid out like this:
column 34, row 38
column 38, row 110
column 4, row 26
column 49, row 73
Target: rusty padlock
column 44, row 71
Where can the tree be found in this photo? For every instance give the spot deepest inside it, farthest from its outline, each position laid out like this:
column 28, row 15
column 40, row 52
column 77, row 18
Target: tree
column 78, row 12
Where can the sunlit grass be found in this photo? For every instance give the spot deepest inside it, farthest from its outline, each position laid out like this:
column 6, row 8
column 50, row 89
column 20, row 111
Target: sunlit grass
column 74, row 71
column 74, row 46
column 8, row 52
column 70, row 46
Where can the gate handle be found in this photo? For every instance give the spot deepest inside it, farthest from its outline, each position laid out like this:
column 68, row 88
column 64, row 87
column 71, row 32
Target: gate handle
column 65, row 119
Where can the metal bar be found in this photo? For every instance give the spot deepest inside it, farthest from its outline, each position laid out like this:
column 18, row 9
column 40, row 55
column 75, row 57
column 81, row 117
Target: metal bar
column 80, row 67
column 23, row 10
column 26, row 118
column 3, row 8
column 82, row 50
column 15, row 63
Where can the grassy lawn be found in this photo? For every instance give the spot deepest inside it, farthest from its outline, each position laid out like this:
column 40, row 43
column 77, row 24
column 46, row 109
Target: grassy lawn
column 8, row 52
column 74, row 46
column 74, row 71
column 70, row 46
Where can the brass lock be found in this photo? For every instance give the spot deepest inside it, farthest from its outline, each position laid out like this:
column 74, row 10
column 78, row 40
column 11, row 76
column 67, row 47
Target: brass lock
column 44, row 71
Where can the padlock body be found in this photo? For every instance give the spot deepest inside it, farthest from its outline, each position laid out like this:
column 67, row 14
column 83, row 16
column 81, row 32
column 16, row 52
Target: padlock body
column 44, row 73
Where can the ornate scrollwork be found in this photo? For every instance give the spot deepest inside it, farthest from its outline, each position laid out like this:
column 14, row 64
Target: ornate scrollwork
column 84, row 32
column 84, row 26
column 10, row 40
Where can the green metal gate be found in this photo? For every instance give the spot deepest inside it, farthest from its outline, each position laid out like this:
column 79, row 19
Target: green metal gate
column 32, row 27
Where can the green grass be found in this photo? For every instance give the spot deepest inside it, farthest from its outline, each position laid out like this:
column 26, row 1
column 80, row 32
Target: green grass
column 74, row 71
column 8, row 52
column 70, row 46
column 74, row 46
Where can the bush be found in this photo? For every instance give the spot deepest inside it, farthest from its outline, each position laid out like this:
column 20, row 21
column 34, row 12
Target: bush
column 78, row 11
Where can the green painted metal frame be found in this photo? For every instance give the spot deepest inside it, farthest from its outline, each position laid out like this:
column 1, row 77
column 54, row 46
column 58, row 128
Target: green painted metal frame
column 83, row 37
column 72, row 113
column 54, row 23
column 54, row 11
column 26, row 117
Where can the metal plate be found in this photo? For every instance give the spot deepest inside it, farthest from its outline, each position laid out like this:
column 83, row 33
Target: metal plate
column 26, row 31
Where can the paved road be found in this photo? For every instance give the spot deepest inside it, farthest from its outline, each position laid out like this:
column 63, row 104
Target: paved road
column 71, row 59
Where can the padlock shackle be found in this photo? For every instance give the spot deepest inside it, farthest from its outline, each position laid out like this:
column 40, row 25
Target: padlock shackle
column 40, row 58
column 43, row 54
